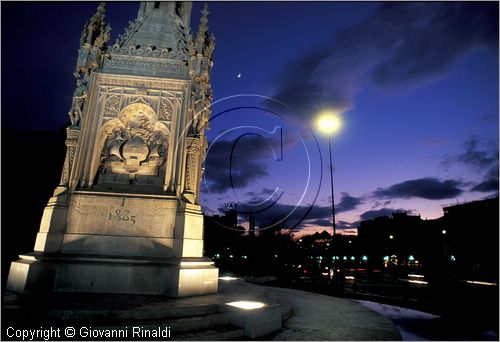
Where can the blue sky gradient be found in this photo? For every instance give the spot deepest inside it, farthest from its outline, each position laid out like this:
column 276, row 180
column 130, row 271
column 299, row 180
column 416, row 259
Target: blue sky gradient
column 416, row 84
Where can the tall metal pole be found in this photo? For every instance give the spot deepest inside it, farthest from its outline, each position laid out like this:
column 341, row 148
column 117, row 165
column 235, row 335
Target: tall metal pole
column 331, row 184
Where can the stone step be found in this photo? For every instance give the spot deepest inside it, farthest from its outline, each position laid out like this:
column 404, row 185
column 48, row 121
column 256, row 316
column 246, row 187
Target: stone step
column 224, row 333
column 213, row 324
column 163, row 313
column 185, row 324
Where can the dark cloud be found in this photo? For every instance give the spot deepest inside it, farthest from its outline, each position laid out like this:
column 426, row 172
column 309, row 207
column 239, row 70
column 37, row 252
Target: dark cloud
column 249, row 163
column 258, row 195
column 347, row 203
column 400, row 45
column 490, row 179
column 344, row 225
column 427, row 188
column 321, row 222
column 287, row 215
column 327, row 224
column 480, row 157
column 476, row 158
column 371, row 214
column 269, row 213
column 378, row 204
column 486, row 186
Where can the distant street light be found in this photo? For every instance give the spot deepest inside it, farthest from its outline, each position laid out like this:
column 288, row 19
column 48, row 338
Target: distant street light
column 329, row 123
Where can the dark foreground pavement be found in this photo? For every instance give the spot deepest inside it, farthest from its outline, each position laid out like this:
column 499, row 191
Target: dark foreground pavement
column 306, row 316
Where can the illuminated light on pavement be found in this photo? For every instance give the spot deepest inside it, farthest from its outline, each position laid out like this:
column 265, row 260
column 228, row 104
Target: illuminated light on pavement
column 247, row 305
column 416, row 276
column 475, row 282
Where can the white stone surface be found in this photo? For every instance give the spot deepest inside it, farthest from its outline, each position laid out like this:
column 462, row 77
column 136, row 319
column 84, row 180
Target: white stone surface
column 256, row 322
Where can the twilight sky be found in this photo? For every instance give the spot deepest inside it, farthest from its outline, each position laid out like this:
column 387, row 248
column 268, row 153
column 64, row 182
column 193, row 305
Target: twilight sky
column 416, row 85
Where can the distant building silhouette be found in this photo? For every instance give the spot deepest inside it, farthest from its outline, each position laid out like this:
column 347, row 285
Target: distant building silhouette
column 472, row 238
column 251, row 223
column 462, row 243
column 399, row 238
column 221, row 231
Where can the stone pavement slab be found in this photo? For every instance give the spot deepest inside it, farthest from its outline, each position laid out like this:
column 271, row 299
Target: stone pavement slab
column 318, row 317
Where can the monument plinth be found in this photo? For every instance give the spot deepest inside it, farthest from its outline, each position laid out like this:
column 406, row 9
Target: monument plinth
column 126, row 216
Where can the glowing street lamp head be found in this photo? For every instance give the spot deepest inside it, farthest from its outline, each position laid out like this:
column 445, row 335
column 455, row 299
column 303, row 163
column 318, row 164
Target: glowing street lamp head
column 328, row 122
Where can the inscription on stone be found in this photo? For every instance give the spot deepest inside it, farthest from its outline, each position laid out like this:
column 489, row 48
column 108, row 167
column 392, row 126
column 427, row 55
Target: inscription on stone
column 122, row 215
column 118, row 216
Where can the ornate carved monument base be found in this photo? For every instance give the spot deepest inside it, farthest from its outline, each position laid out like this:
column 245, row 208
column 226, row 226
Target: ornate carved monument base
column 125, row 217
column 117, row 243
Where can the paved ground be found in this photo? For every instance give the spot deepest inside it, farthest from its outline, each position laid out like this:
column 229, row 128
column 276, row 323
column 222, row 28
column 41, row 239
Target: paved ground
column 311, row 316
column 318, row 317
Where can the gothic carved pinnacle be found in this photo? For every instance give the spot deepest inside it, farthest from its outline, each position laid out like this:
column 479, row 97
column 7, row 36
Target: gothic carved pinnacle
column 202, row 35
column 93, row 42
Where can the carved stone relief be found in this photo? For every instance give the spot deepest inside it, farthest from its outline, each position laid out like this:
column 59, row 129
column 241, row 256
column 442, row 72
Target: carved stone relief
column 134, row 144
column 72, row 136
column 149, row 84
column 79, row 97
column 166, row 110
column 192, row 169
column 162, row 68
column 112, row 106
column 164, row 103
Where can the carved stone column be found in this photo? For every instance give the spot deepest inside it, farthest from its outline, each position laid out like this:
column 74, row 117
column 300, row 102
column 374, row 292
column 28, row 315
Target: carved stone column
column 72, row 135
column 201, row 159
column 192, row 169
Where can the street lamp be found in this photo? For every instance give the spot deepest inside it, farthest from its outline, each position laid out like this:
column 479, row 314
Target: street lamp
column 329, row 123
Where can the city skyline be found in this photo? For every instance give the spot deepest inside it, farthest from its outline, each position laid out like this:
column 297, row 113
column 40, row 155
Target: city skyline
column 416, row 85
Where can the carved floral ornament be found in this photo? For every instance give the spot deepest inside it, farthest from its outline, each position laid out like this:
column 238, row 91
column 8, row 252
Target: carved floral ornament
column 165, row 106
column 135, row 143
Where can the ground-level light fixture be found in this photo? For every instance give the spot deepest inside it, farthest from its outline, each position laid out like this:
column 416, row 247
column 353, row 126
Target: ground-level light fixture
column 247, row 304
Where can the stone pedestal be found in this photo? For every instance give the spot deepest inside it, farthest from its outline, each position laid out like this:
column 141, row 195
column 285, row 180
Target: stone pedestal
column 117, row 243
column 38, row 273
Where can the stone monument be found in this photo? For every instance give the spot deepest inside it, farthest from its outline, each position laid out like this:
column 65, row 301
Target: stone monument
column 126, row 217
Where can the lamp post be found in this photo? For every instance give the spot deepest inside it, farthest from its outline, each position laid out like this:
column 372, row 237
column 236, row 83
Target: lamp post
column 331, row 185
column 329, row 123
